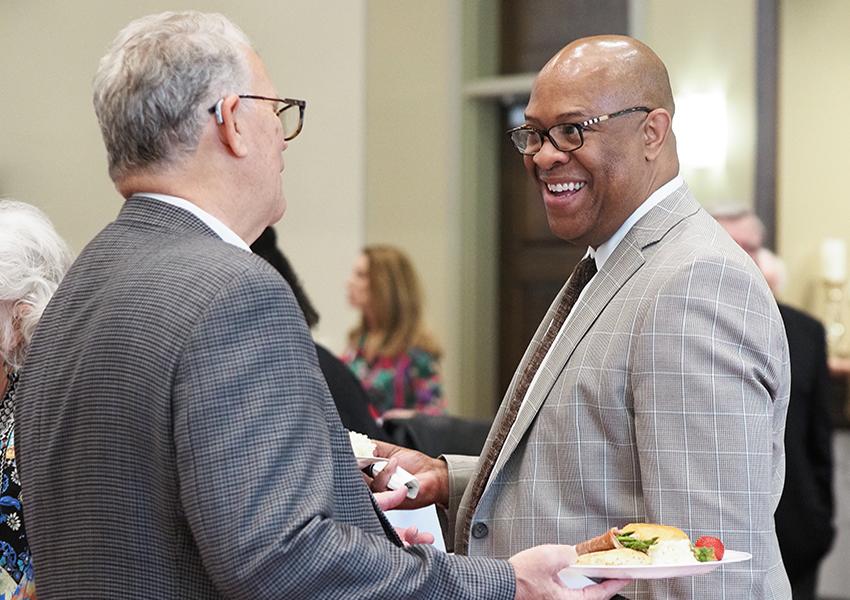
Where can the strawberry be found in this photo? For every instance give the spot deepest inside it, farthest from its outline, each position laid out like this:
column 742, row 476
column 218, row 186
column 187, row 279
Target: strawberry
column 712, row 545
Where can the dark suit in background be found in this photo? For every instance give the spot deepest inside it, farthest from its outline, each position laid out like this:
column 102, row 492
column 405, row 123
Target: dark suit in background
column 348, row 395
column 804, row 518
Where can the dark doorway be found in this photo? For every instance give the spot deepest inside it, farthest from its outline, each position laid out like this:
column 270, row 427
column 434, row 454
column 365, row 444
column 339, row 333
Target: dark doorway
column 533, row 263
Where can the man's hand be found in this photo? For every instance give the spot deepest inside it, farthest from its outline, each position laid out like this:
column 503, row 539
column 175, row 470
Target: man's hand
column 537, row 571
column 388, row 501
column 432, row 473
column 412, row 535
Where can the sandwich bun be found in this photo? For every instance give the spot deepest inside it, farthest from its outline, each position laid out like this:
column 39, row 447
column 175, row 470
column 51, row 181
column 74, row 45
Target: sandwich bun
column 615, row 557
column 647, row 531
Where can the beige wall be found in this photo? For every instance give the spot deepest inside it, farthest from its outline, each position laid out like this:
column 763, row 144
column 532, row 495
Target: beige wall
column 814, row 96
column 412, row 141
column 51, row 152
column 708, row 46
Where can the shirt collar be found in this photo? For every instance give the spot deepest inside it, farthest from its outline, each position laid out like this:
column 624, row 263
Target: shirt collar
column 604, row 251
column 220, row 229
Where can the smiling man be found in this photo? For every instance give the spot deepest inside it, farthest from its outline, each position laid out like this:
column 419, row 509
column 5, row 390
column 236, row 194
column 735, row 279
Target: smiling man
column 656, row 387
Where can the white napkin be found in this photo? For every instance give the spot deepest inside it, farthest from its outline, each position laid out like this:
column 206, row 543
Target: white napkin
column 399, row 479
column 574, row 581
column 424, row 519
column 364, row 449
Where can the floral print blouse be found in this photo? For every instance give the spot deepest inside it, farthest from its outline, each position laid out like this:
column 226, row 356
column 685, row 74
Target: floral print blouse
column 16, row 581
column 409, row 380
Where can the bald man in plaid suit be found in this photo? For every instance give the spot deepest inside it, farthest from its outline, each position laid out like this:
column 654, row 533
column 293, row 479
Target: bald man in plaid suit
column 660, row 393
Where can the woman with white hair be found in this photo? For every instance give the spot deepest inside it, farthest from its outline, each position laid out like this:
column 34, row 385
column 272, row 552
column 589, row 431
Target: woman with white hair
column 33, row 259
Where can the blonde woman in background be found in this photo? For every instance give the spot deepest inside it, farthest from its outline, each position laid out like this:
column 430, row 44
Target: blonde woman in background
column 33, row 259
column 391, row 351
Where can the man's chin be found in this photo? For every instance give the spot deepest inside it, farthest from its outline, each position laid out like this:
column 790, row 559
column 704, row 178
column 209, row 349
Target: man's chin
column 278, row 214
column 567, row 232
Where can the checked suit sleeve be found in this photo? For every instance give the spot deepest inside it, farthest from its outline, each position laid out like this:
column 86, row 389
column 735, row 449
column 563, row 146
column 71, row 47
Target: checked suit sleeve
column 710, row 378
column 268, row 483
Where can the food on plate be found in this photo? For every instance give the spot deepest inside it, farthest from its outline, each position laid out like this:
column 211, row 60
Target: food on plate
column 672, row 552
column 617, row 556
column 708, row 548
column 606, row 541
column 657, row 545
column 361, row 445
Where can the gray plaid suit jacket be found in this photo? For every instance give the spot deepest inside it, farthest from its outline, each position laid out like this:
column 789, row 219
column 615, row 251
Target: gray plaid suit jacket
column 177, row 439
column 664, row 401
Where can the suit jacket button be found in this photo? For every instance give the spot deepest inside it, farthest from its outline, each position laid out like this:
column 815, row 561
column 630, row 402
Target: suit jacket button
column 479, row 530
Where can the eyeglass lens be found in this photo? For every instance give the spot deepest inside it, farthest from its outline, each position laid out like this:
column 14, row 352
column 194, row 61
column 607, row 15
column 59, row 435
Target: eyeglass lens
column 290, row 117
column 566, row 137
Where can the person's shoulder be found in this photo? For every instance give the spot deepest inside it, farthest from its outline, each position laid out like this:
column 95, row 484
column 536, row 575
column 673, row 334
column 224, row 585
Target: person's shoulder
column 421, row 357
column 209, row 257
column 417, row 350
column 700, row 242
column 798, row 318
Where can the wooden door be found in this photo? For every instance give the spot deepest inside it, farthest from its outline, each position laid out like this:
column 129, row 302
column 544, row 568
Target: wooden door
column 533, row 263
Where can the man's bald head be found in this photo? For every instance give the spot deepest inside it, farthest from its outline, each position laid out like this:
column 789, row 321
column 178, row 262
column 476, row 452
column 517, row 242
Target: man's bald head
column 624, row 71
column 612, row 95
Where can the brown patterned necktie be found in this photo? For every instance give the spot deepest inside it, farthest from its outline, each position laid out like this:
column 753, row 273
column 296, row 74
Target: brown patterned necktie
column 582, row 273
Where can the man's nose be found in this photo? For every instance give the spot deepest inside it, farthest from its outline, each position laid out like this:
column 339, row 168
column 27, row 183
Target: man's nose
column 548, row 155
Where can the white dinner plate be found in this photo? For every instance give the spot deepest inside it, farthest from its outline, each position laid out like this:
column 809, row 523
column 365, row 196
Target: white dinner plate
column 657, row 571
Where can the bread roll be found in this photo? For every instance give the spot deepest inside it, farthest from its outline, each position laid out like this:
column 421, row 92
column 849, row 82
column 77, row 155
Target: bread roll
column 647, row 531
column 616, row 557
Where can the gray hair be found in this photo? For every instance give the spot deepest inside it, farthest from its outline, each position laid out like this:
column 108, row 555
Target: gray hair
column 33, row 260
column 735, row 211
column 153, row 89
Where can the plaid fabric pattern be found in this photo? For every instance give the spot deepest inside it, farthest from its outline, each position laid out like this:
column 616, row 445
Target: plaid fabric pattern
column 581, row 275
column 664, row 400
column 177, row 440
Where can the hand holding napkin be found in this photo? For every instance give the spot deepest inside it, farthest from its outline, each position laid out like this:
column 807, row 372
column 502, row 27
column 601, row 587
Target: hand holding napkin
column 364, row 450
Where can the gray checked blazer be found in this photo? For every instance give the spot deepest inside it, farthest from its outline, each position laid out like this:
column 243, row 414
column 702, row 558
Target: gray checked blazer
column 177, row 440
column 663, row 400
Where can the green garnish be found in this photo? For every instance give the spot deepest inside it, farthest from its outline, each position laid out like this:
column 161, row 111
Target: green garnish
column 704, row 554
column 628, row 541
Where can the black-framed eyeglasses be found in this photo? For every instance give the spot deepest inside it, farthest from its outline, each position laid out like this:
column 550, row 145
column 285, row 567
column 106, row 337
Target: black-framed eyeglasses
column 566, row 137
column 292, row 120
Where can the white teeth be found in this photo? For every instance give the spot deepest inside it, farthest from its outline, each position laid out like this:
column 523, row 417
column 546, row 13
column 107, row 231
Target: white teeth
column 565, row 187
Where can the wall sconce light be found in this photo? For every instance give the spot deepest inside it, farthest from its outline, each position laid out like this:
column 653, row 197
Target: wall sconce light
column 701, row 126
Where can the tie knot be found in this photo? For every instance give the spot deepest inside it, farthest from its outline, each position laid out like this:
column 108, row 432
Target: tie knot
column 584, row 272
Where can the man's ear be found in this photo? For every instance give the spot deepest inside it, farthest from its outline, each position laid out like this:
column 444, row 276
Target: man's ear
column 656, row 129
column 228, row 127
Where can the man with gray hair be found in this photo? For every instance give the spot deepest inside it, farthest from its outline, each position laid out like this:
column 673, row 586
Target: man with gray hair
column 177, row 439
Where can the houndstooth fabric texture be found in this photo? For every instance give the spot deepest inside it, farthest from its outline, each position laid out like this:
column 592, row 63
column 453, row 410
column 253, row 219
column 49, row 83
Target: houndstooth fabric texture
column 177, row 439
column 581, row 275
column 663, row 400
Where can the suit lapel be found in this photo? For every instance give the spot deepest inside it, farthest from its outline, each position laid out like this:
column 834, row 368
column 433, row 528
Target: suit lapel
column 620, row 266
column 597, row 295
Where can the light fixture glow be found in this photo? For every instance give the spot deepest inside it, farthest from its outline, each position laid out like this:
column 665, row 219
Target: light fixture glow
column 701, row 126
